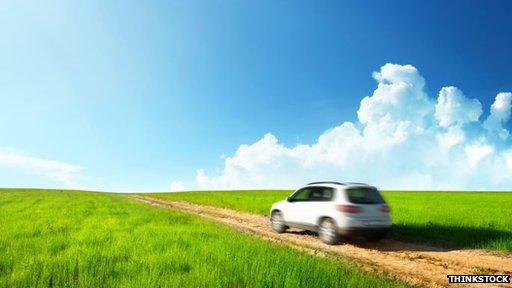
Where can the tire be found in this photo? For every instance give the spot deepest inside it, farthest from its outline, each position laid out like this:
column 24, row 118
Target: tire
column 277, row 222
column 328, row 232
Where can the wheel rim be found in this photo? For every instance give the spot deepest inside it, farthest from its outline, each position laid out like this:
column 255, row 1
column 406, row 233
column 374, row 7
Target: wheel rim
column 327, row 231
column 277, row 221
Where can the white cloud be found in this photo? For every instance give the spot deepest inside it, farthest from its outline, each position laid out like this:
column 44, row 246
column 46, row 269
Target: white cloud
column 508, row 160
column 453, row 108
column 177, row 186
column 452, row 137
column 399, row 96
column 500, row 113
column 476, row 152
column 403, row 140
column 62, row 173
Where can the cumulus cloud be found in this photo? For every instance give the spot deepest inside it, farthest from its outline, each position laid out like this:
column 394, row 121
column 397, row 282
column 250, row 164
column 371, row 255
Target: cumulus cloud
column 403, row 139
column 499, row 114
column 453, row 136
column 399, row 96
column 63, row 173
column 476, row 152
column 453, row 108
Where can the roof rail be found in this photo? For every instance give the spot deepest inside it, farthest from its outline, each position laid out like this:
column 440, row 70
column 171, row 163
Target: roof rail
column 338, row 183
column 355, row 183
column 326, row 182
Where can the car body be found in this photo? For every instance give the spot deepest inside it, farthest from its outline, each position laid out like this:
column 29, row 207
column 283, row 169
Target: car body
column 334, row 210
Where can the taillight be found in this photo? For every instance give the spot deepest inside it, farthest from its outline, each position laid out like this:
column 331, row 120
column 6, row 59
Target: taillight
column 385, row 208
column 349, row 208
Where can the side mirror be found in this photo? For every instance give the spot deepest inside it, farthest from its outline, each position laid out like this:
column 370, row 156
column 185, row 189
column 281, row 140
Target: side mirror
column 289, row 199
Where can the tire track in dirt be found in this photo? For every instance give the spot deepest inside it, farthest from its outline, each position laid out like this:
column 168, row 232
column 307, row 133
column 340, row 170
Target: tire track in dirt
column 416, row 264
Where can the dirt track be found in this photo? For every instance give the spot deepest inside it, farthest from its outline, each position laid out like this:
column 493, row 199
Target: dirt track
column 416, row 264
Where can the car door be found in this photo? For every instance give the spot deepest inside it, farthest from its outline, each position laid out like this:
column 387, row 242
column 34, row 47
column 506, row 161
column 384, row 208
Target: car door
column 318, row 204
column 297, row 205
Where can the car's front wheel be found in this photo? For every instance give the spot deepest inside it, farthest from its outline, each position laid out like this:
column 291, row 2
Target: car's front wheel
column 328, row 232
column 277, row 222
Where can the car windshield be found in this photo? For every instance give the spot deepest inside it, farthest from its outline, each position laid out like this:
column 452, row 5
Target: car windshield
column 364, row 195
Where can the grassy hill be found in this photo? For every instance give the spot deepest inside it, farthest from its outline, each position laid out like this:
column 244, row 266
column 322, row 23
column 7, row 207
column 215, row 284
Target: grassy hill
column 449, row 219
column 87, row 239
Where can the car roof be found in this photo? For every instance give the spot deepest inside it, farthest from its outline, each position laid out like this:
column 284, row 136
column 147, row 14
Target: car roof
column 334, row 184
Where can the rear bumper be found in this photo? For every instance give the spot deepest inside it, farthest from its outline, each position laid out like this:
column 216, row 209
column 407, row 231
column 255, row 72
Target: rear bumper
column 363, row 231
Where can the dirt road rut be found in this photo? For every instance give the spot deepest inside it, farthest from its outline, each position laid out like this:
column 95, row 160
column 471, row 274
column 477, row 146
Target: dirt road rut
column 416, row 264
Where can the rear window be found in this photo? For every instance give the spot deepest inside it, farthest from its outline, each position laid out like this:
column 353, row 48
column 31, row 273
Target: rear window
column 364, row 195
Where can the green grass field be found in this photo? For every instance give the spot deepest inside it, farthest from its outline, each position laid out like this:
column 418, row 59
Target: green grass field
column 448, row 219
column 254, row 201
column 86, row 239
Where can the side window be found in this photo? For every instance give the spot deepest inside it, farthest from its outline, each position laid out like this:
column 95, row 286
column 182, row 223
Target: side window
column 316, row 194
column 322, row 194
column 313, row 194
column 301, row 195
column 328, row 194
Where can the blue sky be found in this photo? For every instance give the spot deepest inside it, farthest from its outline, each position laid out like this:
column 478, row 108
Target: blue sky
column 134, row 95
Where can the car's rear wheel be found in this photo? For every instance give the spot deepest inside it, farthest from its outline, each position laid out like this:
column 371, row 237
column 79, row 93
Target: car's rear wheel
column 328, row 232
column 277, row 222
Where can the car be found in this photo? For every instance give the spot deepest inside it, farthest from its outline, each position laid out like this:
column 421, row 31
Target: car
column 334, row 210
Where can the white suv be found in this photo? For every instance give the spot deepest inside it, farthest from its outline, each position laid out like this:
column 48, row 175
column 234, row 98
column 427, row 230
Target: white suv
column 333, row 210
